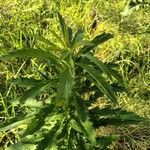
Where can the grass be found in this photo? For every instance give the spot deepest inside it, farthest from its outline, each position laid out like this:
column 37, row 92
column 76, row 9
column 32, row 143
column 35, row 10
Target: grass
column 130, row 49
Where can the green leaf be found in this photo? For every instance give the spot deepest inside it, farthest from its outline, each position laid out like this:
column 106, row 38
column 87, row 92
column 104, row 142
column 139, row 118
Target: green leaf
column 66, row 31
column 31, row 52
column 80, row 107
column 100, row 82
column 33, row 91
column 105, row 141
column 80, row 143
column 14, row 122
column 65, row 86
column 78, row 37
column 69, row 31
column 99, row 64
column 71, row 65
column 63, row 28
column 49, row 139
column 38, row 121
column 116, row 75
column 96, row 41
column 109, row 116
column 21, row 146
column 88, row 125
column 25, row 82
column 70, row 140
column 57, row 37
column 53, row 46
column 86, row 128
column 33, row 103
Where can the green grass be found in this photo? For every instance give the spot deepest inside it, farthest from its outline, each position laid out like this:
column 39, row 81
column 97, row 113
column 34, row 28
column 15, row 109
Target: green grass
column 130, row 49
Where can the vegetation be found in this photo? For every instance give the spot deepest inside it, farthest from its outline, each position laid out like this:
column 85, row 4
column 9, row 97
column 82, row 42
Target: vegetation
column 74, row 88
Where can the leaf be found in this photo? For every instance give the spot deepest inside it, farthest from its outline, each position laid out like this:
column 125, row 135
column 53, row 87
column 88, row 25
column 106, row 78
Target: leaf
column 80, row 107
column 69, row 31
column 100, row 82
column 96, row 41
column 49, row 139
column 86, row 128
column 70, row 64
column 88, row 125
column 33, row 103
column 105, row 141
column 80, row 143
column 99, row 64
column 14, row 122
column 78, row 37
column 70, row 140
column 25, row 82
column 21, row 146
column 66, row 31
column 65, row 86
column 38, row 121
column 109, row 116
column 33, row 91
column 53, row 46
column 57, row 37
column 31, row 52
column 116, row 75
column 118, row 88
column 63, row 28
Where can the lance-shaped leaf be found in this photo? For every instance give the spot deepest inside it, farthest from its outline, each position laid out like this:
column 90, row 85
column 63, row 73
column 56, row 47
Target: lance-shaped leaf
column 53, row 46
column 49, row 139
column 80, row 107
column 78, row 37
column 34, row 53
column 26, row 82
column 66, row 31
column 65, row 86
column 109, row 116
column 15, row 122
column 80, row 142
column 38, row 121
column 105, row 141
column 116, row 75
column 99, row 64
column 96, row 41
column 100, row 82
column 33, row 91
column 58, row 37
column 87, row 129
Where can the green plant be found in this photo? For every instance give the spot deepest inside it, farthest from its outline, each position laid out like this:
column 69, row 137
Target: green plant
column 74, row 80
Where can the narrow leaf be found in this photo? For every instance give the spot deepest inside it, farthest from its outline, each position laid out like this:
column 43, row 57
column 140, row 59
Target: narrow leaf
column 80, row 107
column 47, row 42
column 31, row 52
column 78, row 37
column 87, row 128
column 96, row 41
column 99, row 64
column 38, row 121
column 49, row 138
column 33, row 91
column 66, row 31
column 65, row 86
column 58, row 37
column 100, row 82
column 25, row 82
column 14, row 122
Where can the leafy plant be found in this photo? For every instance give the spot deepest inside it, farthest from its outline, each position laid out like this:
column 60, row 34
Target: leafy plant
column 75, row 80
